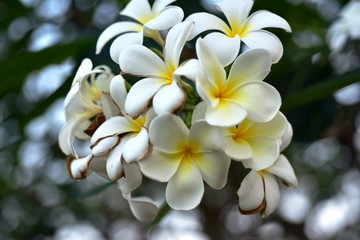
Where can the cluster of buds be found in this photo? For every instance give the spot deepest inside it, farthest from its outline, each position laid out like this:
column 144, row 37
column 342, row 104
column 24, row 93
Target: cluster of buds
column 184, row 120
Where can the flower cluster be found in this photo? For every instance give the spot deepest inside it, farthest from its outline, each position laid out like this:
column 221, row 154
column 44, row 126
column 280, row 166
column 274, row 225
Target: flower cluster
column 183, row 120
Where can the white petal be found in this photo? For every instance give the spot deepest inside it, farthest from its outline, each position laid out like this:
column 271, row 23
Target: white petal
column 143, row 208
column 252, row 65
column 78, row 168
column 168, row 99
column 118, row 91
column 140, row 94
column 113, row 126
column 123, row 41
column 251, row 193
column 213, row 166
column 235, row 11
column 114, row 166
column 114, row 30
column 238, row 149
column 73, row 102
column 160, row 166
column 132, row 178
column 98, row 165
column 214, row 71
column 149, row 116
column 109, row 107
column 199, row 112
column 66, row 136
column 185, row 189
column 83, row 70
column 204, row 137
column 168, row 133
column 225, row 114
column 139, row 60
column 139, row 10
column 166, row 19
column 104, row 145
column 190, row 69
column 272, row 194
column 137, row 146
column 225, row 48
column 266, row 40
column 283, row 169
column 286, row 138
column 265, row 153
column 175, row 41
column 206, row 21
column 265, row 19
column 275, row 128
column 248, row 97
column 159, row 5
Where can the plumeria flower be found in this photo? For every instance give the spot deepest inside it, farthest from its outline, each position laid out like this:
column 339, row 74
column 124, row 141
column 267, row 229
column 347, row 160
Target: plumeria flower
column 242, row 94
column 240, row 28
column 161, row 82
column 148, row 21
column 259, row 190
column 347, row 26
column 88, row 98
column 184, row 158
column 109, row 137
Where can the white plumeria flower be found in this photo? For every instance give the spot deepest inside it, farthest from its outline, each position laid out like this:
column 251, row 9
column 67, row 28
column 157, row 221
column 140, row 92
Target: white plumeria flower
column 88, row 97
column 109, row 137
column 161, row 82
column 148, row 22
column 249, row 30
column 230, row 99
column 259, row 190
column 184, row 158
column 347, row 26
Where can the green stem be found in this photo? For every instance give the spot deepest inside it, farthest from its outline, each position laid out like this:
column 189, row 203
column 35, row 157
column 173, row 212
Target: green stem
column 162, row 213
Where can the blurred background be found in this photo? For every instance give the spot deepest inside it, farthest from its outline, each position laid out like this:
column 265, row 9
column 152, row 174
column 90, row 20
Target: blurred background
column 42, row 42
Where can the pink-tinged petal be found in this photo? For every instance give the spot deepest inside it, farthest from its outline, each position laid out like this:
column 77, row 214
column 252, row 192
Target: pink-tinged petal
column 78, row 168
column 265, row 19
column 265, row 40
column 238, row 149
column 206, row 21
column 213, row 166
column 137, row 146
column 109, row 107
column 141, row 61
column 143, row 208
column 185, row 189
column 114, row 30
column 251, row 193
column 275, row 128
column 83, row 70
column 98, row 165
column 204, row 137
column 236, row 12
column 168, row 99
column 159, row 5
column 139, row 10
column 175, row 41
column 283, row 169
column 123, row 41
column 114, row 164
column 160, row 166
column 225, row 48
column 214, row 71
column 166, row 19
column 252, row 65
column 225, row 114
column 169, row 133
column 286, row 138
column 140, row 95
column 265, row 153
column 132, row 178
column 118, row 92
column 67, row 134
column 260, row 100
column 113, row 126
column 104, row 145
column 199, row 113
column 272, row 194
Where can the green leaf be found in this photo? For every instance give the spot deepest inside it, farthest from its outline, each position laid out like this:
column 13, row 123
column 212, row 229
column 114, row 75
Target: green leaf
column 319, row 91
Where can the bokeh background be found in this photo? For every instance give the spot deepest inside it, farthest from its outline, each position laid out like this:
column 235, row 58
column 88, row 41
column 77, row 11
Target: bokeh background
column 42, row 42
